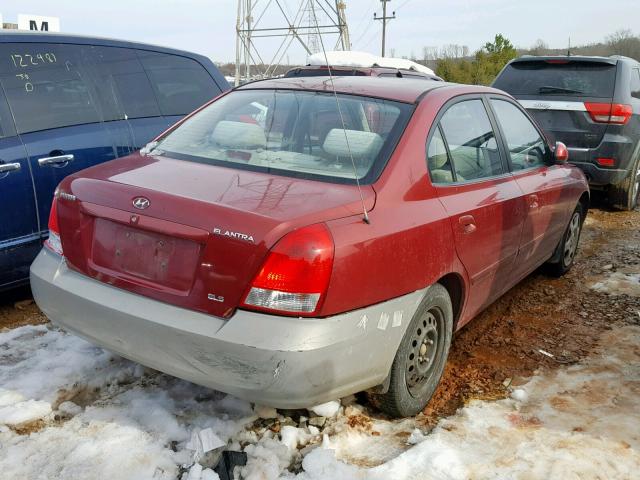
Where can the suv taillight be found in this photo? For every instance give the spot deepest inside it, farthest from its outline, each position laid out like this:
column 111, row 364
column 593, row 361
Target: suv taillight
column 614, row 113
column 53, row 243
column 294, row 278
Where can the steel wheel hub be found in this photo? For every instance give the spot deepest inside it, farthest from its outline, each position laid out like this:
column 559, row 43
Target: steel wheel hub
column 423, row 350
column 571, row 245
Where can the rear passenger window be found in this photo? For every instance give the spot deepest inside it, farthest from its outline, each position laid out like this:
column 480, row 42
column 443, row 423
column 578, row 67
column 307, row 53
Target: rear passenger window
column 526, row 146
column 438, row 159
column 46, row 86
column 122, row 84
column 181, row 84
column 473, row 149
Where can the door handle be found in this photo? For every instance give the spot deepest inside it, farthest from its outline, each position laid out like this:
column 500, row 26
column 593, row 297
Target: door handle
column 57, row 160
column 468, row 223
column 9, row 167
column 533, row 201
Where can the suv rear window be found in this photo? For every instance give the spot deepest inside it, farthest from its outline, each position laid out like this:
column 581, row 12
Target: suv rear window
column 293, row 133
column 575, row 78
column 180, row 84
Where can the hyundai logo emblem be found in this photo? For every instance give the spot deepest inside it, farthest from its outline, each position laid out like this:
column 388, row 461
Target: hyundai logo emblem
column 141, row 203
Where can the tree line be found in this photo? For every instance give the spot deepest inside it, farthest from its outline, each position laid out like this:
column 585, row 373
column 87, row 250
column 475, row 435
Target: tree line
column 454, row 64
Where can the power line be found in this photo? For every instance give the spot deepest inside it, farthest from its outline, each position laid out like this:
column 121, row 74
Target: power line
column 384, row 19
column 402, row 4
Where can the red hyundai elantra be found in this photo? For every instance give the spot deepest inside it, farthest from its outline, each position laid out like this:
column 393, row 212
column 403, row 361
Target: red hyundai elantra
column 291, row 244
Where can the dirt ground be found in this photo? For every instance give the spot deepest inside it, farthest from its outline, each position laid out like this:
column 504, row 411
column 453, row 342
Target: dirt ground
column 17, row 308
column 541, row 324
column 560, row 316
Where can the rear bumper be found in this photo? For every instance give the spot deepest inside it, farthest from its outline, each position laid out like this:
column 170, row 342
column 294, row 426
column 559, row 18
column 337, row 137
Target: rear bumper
column 278, row 361
column 618, row 147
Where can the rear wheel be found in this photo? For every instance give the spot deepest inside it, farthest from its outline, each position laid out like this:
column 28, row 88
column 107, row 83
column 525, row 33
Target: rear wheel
column 568, row 246
column 421, row 356
column 626, row 194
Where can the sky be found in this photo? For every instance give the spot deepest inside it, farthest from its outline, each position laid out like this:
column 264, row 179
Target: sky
column 208, row 27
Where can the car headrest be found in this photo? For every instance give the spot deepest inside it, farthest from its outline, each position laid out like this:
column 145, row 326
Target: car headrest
column 360, row 144
column 437, row 153
column 240, row 135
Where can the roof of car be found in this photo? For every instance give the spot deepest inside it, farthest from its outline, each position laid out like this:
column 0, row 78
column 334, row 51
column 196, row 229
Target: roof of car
column 14, row 36
column 381, row 87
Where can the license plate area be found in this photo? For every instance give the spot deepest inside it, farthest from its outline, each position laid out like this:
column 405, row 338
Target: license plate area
column 150, row 258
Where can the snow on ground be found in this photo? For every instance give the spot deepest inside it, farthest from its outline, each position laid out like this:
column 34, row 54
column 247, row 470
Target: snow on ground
column 620, row 283
column 579, row 422
column 128, row 430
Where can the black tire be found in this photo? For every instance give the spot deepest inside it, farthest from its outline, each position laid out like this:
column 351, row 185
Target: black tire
column 417, row 369
column 626, row 194
column 568, row 246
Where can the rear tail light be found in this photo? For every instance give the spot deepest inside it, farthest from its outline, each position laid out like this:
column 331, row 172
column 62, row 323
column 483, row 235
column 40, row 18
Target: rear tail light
column 295, row 276
column 606, row 162
column 613, row 113
column 53, row 243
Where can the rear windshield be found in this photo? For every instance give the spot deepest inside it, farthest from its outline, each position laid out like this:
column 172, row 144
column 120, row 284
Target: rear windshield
column 293, row 133
column 585, row 79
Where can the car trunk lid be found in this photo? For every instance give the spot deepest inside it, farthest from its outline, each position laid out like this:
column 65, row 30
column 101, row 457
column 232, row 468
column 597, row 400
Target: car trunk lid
column 204, row 233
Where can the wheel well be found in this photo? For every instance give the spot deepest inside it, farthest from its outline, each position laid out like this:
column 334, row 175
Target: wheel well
column 585, row 201
column 455, row 286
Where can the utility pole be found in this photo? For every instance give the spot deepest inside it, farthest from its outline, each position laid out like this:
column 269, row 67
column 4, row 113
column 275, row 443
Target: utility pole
column 384, row 19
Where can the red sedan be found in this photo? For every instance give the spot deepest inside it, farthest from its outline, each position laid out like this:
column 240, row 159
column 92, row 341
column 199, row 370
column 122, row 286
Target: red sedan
column 291, row 244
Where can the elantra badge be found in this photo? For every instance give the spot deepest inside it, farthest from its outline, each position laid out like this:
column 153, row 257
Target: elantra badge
column 141, row 203
column 230, row 234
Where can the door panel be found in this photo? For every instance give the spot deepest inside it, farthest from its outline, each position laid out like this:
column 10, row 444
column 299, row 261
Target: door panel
column 19, row 235
column 542, row 184
column 84, row 145
column 484, row 203
column 487, row 219
column 547, row 215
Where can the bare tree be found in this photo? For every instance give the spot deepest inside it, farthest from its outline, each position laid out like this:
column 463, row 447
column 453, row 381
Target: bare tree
column 623, row 42
column 540, row 47
column 453, row 50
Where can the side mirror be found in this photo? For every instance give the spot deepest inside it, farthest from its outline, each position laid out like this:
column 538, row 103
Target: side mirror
column 561, row 153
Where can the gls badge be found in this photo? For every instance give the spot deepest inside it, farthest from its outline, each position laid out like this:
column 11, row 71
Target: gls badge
column 230, row 234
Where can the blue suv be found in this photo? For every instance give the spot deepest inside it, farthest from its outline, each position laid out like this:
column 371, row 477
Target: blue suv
column 70, row 102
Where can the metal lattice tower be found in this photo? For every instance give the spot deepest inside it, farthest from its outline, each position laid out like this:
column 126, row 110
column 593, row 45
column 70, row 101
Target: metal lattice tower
column 313, row 41
column 310, row 19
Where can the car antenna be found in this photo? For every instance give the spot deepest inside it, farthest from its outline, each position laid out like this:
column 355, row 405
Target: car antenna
column 365, row 218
